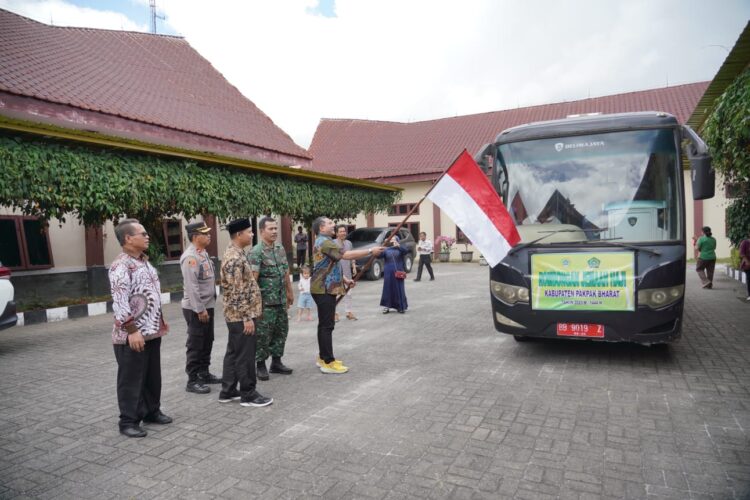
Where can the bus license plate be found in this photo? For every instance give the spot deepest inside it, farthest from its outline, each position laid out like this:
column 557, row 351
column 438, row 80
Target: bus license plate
column 580, row 330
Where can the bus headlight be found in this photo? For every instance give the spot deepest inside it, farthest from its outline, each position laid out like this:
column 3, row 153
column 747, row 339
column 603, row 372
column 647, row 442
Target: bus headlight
column 509, row 294
column 659, row 298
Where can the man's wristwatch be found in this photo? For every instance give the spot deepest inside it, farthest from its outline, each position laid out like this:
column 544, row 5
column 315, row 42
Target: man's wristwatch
column 369, row 251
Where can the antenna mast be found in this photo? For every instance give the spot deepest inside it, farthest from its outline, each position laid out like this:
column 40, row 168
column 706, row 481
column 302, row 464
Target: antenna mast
column 154, row 15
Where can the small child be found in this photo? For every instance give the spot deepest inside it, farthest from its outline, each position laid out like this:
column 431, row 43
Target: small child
column 305, row 297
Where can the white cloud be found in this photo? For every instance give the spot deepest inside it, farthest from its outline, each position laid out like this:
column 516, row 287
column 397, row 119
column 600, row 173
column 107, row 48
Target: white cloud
column 61, row 13
column 422, row 59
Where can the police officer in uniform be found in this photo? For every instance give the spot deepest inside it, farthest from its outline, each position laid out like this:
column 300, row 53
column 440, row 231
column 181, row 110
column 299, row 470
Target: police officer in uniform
column 271, row 269
column 199, row 299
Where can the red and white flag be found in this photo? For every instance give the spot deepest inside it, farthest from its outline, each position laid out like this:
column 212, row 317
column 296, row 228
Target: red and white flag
column 465, row 194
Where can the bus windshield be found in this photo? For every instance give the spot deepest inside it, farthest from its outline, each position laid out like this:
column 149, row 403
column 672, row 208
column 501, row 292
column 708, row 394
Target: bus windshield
column 622, row 186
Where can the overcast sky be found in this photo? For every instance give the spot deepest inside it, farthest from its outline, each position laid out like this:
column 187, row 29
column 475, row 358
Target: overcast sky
column 412, row 60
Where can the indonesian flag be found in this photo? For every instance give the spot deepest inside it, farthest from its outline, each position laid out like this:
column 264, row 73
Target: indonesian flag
column 465, row 194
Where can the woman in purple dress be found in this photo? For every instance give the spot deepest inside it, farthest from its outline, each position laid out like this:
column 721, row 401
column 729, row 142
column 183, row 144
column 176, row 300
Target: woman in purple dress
column 394, row 294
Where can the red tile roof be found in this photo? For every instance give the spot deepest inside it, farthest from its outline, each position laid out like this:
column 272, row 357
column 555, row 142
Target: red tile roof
column 152, row 79
column 392, row 151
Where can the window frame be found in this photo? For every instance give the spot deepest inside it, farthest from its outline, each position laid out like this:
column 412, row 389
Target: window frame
column 395, row 209
column 164, row 227
column 408, row 227
column 461, row 238
column 23, row 248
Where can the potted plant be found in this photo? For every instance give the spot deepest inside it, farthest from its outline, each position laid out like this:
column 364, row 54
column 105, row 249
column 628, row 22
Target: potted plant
column 445, row 243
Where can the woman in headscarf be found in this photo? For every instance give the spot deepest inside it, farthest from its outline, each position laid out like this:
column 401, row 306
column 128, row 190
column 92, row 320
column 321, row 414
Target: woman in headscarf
column 394, row 293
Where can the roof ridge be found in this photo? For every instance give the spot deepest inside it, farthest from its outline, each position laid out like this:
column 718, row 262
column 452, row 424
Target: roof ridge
column 533, row 106
column 364, row 120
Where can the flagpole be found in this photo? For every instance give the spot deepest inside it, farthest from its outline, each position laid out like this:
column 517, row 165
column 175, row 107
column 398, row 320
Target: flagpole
column 368, row 264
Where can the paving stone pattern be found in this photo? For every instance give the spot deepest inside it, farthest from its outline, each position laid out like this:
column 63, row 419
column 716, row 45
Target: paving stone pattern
column 436, row 405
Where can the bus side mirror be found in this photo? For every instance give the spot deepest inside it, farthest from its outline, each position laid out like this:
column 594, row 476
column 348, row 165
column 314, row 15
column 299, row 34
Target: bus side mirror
column 703, row 177
column 702, row 174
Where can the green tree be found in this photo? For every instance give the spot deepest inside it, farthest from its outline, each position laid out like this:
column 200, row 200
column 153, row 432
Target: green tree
column 48, row 178
column 727, row 132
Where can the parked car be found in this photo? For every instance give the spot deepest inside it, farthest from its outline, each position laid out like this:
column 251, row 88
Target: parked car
column 8, row 317
column 367, row 237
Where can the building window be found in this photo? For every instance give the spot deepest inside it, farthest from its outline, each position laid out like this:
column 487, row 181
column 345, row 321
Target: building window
column 735, row 189
column 24, row 243
column 402, row 209
column 461, row 237
column 412, row 227
column 172, row 239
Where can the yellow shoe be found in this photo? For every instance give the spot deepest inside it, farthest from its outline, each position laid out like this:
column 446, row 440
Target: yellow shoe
column 333, row 367
column 319, row 362
column 340, row 364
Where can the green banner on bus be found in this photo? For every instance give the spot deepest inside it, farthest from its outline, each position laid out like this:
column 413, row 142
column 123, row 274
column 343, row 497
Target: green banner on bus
column 602, row 281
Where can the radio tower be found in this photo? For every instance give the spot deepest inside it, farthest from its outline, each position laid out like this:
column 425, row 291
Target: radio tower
column 154, row 15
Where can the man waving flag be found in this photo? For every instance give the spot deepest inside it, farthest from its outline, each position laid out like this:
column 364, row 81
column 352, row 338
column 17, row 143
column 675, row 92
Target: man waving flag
column 465, row 194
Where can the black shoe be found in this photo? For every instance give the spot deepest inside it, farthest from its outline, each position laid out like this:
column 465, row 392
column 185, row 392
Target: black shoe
column 278, row 367
column 208, row 378
column 197, row 387
column 261, row 370
column 417, row 279
column 256, row 399
column 432, row 279
column 158, row 418
column 133, row 431
column 401, row 311
column 386, row 310
column 228, row 397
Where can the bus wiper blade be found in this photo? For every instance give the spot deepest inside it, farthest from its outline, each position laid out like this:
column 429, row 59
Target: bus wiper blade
column 625, row 245
column 550, row 233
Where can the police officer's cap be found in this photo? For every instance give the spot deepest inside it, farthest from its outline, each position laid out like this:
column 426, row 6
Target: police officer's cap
column 197, row 227
column 238, row 225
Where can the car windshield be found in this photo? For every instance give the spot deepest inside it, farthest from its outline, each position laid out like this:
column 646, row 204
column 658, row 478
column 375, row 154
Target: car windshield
column 622, row 186
column 364, row 235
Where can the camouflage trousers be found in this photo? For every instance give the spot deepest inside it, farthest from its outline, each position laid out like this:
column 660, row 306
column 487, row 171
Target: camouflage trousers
column 271, row 331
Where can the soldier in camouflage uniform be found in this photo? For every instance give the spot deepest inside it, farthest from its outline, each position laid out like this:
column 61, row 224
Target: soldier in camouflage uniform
column 271, row 269
column 242, row 307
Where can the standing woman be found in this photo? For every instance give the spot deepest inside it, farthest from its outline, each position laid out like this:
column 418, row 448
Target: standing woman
column 347, row 269
column 394, row 293
column 706, row 246
column 745, row 262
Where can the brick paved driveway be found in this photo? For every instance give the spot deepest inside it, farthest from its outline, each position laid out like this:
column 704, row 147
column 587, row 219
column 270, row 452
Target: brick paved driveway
column 436, row 405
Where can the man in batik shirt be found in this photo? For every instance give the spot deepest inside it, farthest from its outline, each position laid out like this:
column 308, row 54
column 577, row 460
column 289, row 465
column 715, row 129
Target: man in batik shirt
column 242, row 308
column 139, row 326
column 326, row 284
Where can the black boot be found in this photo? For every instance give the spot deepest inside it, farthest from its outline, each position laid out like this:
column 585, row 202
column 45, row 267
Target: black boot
column 197, row 387
column 208, row 378
column 261, row 370
column 278, row 367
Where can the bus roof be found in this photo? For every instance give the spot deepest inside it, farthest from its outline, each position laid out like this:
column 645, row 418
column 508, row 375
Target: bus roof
column 587, row 124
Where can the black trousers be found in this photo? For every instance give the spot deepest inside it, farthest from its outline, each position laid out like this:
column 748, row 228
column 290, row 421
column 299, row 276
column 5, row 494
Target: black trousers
column 200, row 341
column 138, row 382
column 301, row 257
column 239, row 361
column 425, row 261
column 326, row 321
